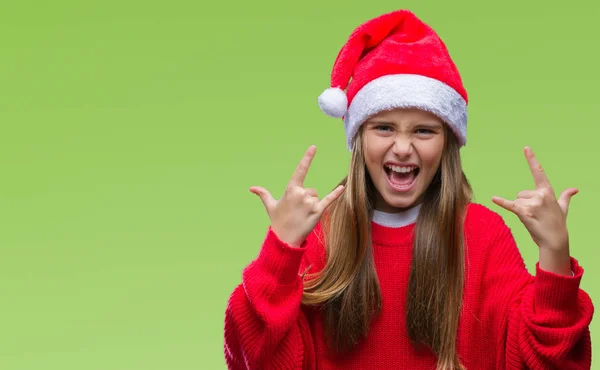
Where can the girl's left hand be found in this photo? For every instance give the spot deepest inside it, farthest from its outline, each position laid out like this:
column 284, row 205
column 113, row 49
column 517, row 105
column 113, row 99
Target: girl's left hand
column 543, row 215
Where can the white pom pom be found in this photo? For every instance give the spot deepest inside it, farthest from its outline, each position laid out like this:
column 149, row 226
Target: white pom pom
column 333, row 102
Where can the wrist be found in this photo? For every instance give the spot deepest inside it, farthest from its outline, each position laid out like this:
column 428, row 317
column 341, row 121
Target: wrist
column 293, row 242
column 557, row 261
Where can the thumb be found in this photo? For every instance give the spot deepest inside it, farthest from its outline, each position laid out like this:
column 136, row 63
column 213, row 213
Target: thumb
column 267, row 199
column 565, row 198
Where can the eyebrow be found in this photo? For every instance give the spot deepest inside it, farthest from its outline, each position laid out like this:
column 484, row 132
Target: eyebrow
column 420, row 124
column 430, row 124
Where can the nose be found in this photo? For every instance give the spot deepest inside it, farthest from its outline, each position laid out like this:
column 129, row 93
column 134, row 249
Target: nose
column 402, row 147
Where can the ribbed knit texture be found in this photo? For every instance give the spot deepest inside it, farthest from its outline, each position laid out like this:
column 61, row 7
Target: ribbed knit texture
column 510, row 319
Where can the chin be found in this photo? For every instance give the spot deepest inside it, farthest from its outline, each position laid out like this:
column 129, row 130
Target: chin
column 395, row 203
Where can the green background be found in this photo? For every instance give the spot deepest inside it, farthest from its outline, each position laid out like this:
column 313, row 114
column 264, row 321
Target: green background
column 132, row 130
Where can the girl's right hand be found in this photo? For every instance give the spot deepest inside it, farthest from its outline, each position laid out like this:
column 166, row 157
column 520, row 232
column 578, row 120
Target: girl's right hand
column 298, row 211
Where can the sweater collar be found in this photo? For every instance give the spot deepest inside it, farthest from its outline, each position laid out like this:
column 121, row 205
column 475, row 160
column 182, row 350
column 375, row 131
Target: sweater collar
column 394, row 229
column 398, row 219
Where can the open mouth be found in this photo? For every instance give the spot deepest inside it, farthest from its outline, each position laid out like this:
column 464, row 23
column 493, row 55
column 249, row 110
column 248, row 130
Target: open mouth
column 401, row 176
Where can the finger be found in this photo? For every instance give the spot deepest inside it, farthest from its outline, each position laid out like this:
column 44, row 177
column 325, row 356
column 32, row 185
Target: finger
column 509, row 205
column 267, row 199
column 325, row 202
column 565, row 198
column 302, row 168
column 539, row 176
column 312, row 192
column 526, row 194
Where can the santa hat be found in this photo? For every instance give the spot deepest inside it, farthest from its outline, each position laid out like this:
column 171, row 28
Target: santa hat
column 393, row 61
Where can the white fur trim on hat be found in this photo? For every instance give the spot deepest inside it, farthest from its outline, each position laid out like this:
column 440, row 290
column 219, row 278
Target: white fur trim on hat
column 407, row 91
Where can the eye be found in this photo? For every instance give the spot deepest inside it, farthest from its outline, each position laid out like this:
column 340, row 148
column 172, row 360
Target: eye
column 383, row 128
column 425, row 131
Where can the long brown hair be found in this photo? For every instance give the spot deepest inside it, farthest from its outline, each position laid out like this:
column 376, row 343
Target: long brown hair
column 347, row 289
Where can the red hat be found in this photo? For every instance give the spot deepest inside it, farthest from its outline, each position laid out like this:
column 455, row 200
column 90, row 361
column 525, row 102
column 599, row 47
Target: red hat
column 392, row 61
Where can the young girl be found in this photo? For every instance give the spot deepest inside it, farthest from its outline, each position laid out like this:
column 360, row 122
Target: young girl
column 396, row 268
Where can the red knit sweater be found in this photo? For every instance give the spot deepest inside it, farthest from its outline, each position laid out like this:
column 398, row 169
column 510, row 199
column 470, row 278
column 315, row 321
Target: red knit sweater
column 510, row 320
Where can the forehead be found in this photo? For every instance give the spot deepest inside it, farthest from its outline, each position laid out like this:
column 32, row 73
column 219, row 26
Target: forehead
column 406, row 116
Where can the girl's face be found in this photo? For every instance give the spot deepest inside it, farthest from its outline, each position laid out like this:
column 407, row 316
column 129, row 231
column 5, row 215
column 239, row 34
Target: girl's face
column 403, row 150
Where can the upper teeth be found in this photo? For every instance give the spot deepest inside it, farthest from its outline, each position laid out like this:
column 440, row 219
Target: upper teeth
column 401, row 169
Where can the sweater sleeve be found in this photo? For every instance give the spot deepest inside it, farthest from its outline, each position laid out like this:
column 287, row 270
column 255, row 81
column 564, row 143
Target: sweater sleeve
column 265, row 327
column 544, row 319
